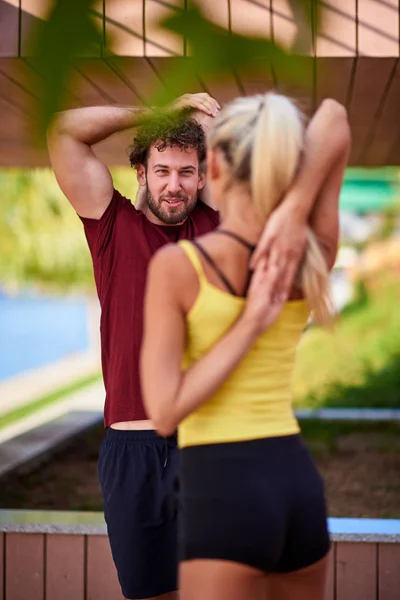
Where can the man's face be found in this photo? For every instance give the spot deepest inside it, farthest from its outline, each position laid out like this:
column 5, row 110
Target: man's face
column 172, row 179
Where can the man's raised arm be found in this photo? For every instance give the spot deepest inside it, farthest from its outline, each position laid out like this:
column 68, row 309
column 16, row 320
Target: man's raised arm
column 81, row 175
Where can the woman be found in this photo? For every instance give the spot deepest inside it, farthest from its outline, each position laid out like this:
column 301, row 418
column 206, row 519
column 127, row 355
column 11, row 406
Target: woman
column 253, row 518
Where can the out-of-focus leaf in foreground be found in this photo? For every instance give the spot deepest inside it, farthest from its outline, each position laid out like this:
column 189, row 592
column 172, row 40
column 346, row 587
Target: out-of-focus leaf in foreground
column 68, row 32
column 305, row 16
column 214, row 51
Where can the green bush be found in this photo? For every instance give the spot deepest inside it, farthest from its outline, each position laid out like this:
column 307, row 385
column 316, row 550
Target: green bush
column 42, row 240
column 357, row 363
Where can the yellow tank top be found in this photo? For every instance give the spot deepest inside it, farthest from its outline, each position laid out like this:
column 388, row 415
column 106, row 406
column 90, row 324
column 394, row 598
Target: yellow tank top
column 256, row 400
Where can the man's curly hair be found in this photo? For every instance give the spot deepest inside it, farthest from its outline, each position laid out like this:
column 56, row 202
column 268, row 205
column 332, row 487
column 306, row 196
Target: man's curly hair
column 166, row 131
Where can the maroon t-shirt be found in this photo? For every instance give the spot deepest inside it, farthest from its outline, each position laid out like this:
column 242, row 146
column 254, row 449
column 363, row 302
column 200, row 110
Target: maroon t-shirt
column 121, row 244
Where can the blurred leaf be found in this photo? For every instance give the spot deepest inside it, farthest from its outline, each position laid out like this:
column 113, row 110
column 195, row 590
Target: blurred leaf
column 214, row 51
column 72, row 30
column 68, row 32
column 305, row 17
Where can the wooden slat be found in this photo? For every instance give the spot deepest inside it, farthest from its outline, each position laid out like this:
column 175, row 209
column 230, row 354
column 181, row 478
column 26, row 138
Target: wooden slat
column 389, row 571
column 89, row 93
column 139, row 73
column 251, row 19
column 10, row 90
column 303, row 93
column 24, row 566
column 162, row 66
column 218, row 12
column 113, row 87
column 101, row 576
column 124, row 27
column 393, row 157
column 257, row 78
column 336, row 35
column 33, row 12
column 9, row 33
column 370, row 83
column 65, row 567
column 378, row 28
column 333, row 77
column 160, row 42
column 224, row 88
column 385, row 134
column 284, row 26
column 24, row 74
column 330, row 579
column 356, row 576
column 2, row 540
column 16, row 138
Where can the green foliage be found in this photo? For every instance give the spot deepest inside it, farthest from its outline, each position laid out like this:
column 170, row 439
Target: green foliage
column 42, row 240
column 358, row 362
column 68, row 32
column 223, row 52
column 71, row 31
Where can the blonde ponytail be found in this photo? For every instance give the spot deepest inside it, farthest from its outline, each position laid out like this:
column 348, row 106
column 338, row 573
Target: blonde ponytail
column 277, row 144
column 262, row 140
column 314, row 280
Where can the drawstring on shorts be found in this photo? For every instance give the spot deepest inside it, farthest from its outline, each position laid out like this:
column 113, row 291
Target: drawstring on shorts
column 166, row 452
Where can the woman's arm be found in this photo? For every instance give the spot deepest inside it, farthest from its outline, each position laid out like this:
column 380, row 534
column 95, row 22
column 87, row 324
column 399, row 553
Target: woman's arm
column 314, row 193
column 324, row 218
column 169, row 393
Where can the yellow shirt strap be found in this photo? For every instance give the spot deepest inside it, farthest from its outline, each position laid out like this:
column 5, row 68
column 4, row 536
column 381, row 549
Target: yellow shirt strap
column 192, row 255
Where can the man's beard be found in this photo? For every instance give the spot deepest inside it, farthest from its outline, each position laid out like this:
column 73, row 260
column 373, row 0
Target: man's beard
column 171, row 215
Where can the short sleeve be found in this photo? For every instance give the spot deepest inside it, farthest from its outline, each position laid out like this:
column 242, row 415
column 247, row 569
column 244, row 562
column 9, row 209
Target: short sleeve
column 99, row 232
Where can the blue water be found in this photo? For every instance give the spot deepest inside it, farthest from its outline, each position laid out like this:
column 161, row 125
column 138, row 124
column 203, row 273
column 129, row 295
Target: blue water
column 36, row 331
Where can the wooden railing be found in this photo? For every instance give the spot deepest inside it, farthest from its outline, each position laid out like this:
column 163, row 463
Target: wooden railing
column 54, row 555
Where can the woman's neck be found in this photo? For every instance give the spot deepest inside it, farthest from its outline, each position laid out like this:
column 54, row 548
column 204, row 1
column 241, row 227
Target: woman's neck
column 240, row 216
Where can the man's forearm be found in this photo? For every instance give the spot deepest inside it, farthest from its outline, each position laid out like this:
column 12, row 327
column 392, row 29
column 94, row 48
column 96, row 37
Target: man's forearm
column 326, row 137
column 93, row 124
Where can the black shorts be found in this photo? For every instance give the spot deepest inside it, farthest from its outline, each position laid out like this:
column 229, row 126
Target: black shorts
column 259, row 503
column 138, row 477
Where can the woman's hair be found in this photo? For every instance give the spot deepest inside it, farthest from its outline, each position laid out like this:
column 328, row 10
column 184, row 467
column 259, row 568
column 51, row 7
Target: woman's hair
column 262, row 140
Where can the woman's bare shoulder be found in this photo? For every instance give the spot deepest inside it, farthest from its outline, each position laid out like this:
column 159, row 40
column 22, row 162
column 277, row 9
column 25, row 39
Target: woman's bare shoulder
column 171, row 265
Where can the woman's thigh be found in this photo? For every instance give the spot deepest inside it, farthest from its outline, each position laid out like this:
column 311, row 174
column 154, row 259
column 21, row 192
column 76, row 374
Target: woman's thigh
column 204, row 579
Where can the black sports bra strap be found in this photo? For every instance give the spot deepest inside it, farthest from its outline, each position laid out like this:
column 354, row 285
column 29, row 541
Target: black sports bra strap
column 237, row 237
column 216, row 268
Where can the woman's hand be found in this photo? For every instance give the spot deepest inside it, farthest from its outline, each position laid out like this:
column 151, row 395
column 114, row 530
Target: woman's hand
column 263, row 304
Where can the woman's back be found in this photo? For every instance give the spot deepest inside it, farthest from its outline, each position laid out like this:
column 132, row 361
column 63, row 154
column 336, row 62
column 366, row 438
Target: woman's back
column 255, row 401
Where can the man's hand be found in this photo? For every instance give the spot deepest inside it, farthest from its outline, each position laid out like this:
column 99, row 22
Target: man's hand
column 282, row 244
column 202, row 102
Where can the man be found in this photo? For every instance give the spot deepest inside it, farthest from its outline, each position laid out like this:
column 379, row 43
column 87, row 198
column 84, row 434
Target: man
column 137, row 468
